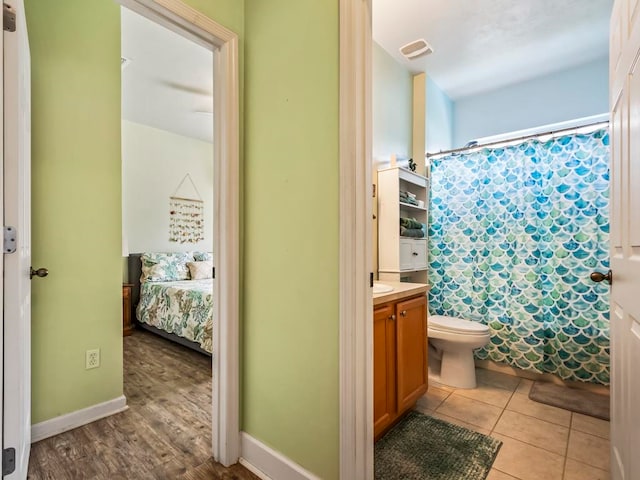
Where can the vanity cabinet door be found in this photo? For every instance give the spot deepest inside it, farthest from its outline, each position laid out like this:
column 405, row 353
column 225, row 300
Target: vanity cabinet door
column 384, row 353
column 411, row 331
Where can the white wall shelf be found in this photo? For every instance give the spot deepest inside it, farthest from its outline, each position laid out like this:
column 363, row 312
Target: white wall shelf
column 401, row 258
column 412, row 207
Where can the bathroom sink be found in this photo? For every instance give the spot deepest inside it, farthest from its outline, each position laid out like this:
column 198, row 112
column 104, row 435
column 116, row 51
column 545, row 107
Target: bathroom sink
column 382, row 288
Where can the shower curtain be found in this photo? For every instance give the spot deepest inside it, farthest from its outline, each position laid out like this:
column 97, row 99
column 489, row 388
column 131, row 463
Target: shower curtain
column 514, row 234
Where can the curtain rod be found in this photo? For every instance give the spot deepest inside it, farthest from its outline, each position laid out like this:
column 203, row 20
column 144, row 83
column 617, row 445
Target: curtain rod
column 524, row 137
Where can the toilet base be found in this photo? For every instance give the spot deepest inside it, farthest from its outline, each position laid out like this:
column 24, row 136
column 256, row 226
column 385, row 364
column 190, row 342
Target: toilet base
column 454, row 349
column 457, row 369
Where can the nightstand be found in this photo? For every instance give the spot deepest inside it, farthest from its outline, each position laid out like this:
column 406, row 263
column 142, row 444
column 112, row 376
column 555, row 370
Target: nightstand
column 127, row 325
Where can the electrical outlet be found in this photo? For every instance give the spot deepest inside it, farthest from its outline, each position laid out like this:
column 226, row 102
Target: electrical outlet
column 92, row 359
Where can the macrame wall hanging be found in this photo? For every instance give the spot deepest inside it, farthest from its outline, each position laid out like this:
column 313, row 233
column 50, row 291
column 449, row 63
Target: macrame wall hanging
column 186, row 220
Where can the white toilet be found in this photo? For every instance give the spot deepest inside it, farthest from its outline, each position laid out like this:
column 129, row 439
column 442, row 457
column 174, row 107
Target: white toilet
column 451, row 344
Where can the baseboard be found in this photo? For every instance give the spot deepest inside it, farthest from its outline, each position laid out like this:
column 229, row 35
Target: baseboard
column 268, row 464
column 69, row 421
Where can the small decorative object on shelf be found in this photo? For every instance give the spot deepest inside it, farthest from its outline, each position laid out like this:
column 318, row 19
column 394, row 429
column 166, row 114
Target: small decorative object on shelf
column 412, row 165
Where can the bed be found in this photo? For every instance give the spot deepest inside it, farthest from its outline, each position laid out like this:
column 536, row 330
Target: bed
column 168, row 302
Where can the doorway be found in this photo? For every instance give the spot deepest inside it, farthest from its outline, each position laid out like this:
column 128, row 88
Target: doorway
column 206, row 33
column 167, row 233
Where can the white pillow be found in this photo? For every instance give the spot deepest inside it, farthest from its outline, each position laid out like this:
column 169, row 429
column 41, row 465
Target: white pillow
column 200, row 270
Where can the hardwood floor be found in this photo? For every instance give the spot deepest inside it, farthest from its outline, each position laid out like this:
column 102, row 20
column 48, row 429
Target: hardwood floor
column 165, row 433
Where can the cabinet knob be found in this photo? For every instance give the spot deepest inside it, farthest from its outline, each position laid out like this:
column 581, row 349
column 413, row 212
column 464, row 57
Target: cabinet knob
column 415, row 254
column 403, row 313
column 392, row 317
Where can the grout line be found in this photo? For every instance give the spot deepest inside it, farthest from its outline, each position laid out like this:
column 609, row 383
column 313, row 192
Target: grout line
column 587, row 462
column 482, row 401
column 502, row 412
column 511, row 475
column 542, row 419
column 518, row 439
column 470, row 425
column 573, row 427
column 531, row 445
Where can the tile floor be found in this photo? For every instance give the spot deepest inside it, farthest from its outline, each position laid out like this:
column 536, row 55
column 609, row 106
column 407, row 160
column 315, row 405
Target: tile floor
column 539, row 442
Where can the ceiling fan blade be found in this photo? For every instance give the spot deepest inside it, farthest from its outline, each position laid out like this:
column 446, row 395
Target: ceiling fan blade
column 186, row 88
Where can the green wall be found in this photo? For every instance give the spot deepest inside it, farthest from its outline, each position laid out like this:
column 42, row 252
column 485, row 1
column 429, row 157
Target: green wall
column 289, row 209
column 291, row 316
column 76, row 199
column 75, row 47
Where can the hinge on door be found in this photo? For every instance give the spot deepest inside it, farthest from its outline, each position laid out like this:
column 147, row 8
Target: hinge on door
column 213, row 272
column 371, row 279
column 9, row 239
column 8, row 461
column 8, row 18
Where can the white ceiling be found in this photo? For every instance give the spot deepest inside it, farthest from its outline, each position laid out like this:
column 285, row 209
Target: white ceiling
column 168, row 81
column 482, row 45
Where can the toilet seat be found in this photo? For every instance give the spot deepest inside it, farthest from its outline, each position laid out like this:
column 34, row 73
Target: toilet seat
column 455, row 325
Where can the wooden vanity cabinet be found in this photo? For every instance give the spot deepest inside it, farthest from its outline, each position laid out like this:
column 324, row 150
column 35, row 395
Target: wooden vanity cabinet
column 384, row 367
column 399, row 359
column 411, row 351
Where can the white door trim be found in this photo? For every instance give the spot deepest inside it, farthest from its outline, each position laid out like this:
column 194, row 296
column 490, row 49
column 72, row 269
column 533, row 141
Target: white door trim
column 226, row 398
column 2, row 244
column 356, row 315
column 16, row 382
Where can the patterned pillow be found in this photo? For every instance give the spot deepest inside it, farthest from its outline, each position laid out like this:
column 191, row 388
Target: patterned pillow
column 200, row 270
column 203, row 256
column 165, row 267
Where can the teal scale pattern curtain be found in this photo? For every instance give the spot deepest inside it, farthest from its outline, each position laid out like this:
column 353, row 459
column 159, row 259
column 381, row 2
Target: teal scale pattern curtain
column 514, row 234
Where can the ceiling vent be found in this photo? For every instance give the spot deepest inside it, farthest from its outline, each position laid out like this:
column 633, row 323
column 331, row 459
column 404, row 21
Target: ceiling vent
column 416, row 49
column 124, row 62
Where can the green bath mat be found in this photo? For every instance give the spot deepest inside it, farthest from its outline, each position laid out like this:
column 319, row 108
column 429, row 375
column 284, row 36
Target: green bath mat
column 425, row 448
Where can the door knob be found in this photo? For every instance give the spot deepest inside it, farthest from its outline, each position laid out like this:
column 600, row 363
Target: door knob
column 598, row 277
column 41, row 272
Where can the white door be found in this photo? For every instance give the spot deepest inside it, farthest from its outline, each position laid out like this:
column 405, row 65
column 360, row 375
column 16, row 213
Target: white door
column 625, row 240
column 16, row 414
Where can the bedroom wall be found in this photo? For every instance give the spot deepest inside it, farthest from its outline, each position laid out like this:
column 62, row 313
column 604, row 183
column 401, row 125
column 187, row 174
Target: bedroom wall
column 154, row 162
column 77, row 207
column 291, row 247
column 577, row 92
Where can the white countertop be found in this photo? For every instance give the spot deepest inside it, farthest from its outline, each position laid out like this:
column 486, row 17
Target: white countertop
column 400, row 290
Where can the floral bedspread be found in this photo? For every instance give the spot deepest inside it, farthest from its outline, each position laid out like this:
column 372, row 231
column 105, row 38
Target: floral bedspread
column 184, row 308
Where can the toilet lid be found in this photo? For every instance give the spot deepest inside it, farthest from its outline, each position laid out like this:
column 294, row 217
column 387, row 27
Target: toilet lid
column 456, row 325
